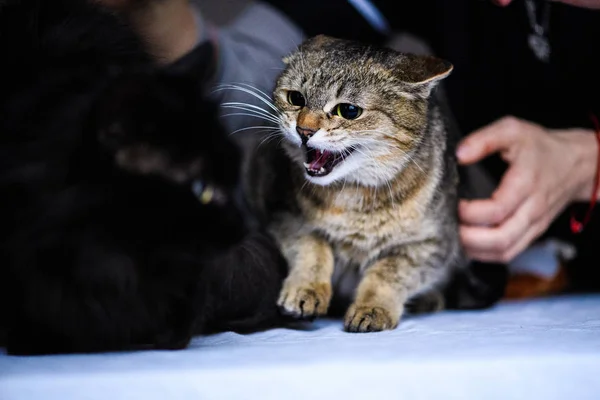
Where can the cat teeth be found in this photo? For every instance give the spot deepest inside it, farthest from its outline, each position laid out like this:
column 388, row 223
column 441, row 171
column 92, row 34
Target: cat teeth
column 321, row 170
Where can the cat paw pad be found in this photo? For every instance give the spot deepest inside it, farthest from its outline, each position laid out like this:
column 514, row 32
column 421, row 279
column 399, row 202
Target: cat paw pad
column 369, row 319
column 305, row 301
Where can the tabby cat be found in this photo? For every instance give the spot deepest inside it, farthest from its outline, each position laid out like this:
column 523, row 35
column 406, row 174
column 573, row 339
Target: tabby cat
column 371, row 210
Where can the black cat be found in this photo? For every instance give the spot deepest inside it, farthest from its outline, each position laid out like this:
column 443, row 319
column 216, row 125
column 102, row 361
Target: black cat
column 121, row 222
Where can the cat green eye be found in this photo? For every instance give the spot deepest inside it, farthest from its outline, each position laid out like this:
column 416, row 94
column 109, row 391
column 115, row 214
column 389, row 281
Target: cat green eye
column 296, row 99
column 208, row 194
column 203, row 192
column 348, row 111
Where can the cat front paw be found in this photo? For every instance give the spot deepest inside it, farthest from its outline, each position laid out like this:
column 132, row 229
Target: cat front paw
column 305, row 300
column 369, row 319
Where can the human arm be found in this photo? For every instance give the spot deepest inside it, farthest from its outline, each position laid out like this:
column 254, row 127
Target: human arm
column 172, row 28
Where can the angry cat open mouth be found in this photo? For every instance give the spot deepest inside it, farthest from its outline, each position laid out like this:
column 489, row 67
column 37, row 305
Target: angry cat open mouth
column 322, row 162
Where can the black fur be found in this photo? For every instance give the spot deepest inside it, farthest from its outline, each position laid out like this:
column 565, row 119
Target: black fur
column 95, row 256
column 480, row 285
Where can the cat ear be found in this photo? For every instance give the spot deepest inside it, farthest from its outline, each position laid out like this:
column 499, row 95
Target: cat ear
column 312, row 42
column 319, row 40
column 422, row 72
column 197, row 67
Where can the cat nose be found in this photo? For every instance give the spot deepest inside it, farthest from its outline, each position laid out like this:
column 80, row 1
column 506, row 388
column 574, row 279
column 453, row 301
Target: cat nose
column 305, row 133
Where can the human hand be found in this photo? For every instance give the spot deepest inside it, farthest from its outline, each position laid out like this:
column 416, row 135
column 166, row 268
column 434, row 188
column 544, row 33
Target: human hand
column 547, row 171
column 169, row 27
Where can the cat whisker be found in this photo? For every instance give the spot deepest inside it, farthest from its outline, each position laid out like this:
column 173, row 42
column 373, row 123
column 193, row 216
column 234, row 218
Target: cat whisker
column 404, row 152
column 264, row 94
column 264, row 128
column 246, row 89
column 343, row 153
column 392, row 197
column 341, row 191
column 271, row 136
column 241, row 104
column 304, row 185
column 370, row 156
column 293, row 43
column 410, row 158
column 264, row 116
column 251, row 108
column 249, row 115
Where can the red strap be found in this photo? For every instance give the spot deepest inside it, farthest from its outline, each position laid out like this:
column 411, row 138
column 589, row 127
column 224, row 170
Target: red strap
column 577, row 226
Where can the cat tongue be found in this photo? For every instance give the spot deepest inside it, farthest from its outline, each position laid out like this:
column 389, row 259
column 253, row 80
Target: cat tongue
column 320, row 159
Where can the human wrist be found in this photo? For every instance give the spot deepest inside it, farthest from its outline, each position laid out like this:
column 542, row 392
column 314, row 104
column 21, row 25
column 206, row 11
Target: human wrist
column 585, row 148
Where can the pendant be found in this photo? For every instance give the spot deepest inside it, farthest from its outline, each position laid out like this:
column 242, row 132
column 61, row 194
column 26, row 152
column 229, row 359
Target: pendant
column 540, row 47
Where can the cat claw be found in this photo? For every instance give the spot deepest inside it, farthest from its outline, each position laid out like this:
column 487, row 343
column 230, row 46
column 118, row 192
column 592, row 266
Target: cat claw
column 305, row 302
column 368, row 319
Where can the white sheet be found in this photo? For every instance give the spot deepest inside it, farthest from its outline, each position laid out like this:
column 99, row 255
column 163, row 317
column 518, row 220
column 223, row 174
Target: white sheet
column 543, row 349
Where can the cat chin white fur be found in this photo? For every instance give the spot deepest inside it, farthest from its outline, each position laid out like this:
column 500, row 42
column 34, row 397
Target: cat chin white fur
column 291, row 135
column 373, row 177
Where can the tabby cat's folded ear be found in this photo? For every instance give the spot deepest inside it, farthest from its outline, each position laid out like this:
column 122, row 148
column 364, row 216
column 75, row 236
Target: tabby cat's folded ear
column 198, row 67
column 422, row 72
column 315, row 41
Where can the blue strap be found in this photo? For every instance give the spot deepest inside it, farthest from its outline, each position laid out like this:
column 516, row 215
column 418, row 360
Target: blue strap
column 372, row 14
